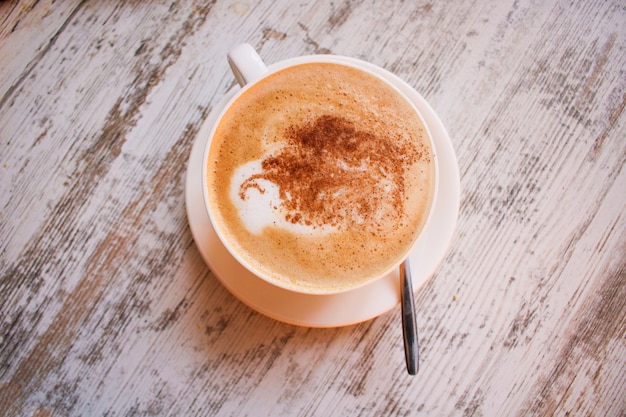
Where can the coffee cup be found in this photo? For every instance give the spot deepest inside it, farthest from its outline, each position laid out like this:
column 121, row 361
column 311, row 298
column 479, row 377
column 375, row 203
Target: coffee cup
column 318, row 174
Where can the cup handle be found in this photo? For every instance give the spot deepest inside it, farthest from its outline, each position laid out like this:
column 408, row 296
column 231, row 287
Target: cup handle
column 246, row 64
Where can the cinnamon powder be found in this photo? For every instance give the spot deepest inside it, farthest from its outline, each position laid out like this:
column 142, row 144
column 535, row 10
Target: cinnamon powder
column 331, row 173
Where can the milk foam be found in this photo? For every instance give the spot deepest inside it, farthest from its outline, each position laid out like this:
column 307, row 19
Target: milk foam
column 261, row 205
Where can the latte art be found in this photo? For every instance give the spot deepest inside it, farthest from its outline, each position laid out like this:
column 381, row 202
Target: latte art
column 328, row 176
column 320, row 177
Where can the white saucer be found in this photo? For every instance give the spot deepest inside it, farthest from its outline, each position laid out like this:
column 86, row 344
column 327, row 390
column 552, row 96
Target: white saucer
column 349, row 307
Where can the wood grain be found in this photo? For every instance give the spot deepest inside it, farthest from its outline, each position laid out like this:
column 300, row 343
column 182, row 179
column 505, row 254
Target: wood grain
column 107, row 307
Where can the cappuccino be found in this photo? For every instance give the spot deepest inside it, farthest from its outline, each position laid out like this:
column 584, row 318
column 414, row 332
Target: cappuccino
column 320, row 177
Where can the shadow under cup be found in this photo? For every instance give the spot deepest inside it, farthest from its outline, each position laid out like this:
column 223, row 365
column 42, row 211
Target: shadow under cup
column 288, row 228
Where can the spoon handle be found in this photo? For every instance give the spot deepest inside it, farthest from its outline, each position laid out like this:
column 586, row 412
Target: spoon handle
column 409, row 322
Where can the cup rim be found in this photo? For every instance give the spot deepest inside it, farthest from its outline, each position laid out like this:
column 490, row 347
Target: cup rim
column 272, row 69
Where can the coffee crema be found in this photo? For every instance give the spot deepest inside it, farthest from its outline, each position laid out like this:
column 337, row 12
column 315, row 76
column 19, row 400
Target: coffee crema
column 320, row 176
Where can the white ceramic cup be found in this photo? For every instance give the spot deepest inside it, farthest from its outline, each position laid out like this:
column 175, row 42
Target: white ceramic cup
column 248, row 68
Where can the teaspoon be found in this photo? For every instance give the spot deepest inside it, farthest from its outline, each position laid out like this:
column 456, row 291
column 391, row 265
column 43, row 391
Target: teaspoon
column 409, row 322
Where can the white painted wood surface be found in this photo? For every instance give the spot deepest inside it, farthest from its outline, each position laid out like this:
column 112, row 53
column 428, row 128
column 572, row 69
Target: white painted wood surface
column 107, row 308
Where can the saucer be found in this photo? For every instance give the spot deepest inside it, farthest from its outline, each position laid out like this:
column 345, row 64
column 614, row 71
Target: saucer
column 346, row 308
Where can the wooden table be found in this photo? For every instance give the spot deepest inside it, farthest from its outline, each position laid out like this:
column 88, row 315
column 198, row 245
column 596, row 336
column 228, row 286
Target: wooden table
column 108, row 308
